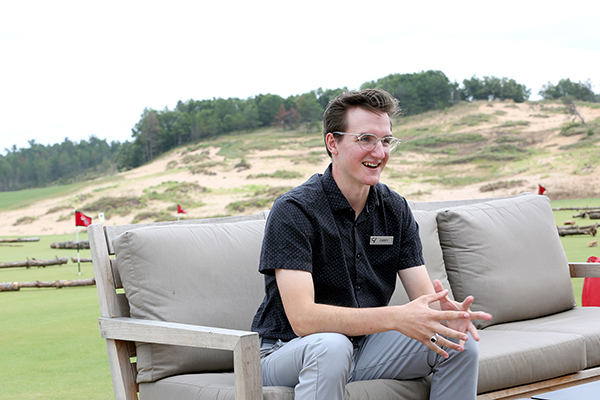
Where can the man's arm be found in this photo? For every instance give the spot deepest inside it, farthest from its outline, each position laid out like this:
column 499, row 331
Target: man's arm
column 415, row 319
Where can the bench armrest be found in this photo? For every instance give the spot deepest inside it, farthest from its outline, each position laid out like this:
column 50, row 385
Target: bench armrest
column 584, row 270
column 245, row 345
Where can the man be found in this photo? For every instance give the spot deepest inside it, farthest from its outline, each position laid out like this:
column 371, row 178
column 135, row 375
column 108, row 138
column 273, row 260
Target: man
column 330, row 255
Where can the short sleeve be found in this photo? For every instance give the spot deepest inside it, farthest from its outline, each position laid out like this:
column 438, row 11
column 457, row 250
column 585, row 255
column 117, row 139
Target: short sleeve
column 287, row 243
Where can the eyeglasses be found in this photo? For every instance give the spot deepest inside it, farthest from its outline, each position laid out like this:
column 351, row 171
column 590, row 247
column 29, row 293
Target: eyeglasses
column 368, row 141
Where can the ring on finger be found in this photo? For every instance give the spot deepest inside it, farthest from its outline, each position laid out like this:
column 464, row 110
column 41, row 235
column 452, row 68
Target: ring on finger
column 434, row 338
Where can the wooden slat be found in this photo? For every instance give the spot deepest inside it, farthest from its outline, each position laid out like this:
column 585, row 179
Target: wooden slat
column 132, row 349
column 115, row 273
column 123, row 376
column 526, row 391
column 584, row 270
column 107, row 295
column 247, row 369
column 160, row 332
column 124, row 310
column 112, row 231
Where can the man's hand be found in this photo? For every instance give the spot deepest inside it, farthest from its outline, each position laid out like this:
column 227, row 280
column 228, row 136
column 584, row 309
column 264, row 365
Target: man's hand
column 461, row 325
column 420, row 321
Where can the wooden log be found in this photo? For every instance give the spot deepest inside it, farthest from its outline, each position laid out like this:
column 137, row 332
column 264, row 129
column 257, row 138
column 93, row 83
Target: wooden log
column 17, row 240
column 83, row 244
column 81, row 260
column 35, row 263
column 595, row 226
column 574, row 208
column 577, row 231
column 594, row 215
column 15, row 286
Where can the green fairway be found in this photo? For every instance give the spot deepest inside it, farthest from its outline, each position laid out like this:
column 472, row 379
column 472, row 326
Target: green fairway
column 51, row 346
column 49, row 338
column 24, row 198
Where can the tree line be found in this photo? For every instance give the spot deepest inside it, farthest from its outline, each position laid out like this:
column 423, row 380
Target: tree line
column 66, row 162
column 159, row 131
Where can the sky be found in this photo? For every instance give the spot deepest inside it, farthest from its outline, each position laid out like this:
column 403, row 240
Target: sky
column 73, row 69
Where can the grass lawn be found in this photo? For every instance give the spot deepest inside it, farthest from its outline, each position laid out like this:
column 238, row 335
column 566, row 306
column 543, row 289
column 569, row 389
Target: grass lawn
column 49, row 338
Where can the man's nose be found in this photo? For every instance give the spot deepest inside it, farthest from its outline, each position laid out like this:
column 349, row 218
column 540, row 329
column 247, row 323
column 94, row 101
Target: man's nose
column 378, row 150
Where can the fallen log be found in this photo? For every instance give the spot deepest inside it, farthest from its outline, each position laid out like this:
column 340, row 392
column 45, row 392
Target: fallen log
column 83, row 260
column 595, row 226
column 15, row 286
column 593, row 214
column 35, row 263
column 83, row 244
column 574, row 208
column 577, row 231
column 17, row 240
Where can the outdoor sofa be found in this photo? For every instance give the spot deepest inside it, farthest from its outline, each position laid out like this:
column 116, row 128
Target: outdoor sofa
column 178, row 299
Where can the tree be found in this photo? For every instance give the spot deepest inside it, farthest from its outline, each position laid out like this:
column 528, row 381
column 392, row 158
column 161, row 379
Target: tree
column 310, row 110
column 325, row 96
column 565, row 87
column 418, row 92
column 268, row 106
column 494, row 88
column 147, row 133
column 286, row 119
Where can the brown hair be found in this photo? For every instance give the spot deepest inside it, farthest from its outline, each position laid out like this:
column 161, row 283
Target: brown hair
column 375, row 100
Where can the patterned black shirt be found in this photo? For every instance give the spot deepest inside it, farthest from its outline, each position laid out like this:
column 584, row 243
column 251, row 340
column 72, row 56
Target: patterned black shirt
column 313, row 228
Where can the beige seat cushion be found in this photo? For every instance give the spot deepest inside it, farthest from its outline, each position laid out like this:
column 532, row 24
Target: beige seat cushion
column 508, row 255
column 582, row 321
column 196, row 274
column 220, row 386
column 511, row 358
column 432, row 253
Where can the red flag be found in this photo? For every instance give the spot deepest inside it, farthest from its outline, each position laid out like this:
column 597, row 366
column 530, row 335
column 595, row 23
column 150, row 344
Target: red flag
column 180, row 210
column 541, row 189
column 81, row 219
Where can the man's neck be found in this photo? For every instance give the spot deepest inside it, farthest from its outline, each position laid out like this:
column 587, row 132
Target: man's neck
column 356, row 195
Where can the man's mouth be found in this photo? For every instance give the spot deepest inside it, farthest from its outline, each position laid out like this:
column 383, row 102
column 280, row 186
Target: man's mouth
column 370, row 165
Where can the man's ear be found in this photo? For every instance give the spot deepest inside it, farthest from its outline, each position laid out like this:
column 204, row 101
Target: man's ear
column 331, row 143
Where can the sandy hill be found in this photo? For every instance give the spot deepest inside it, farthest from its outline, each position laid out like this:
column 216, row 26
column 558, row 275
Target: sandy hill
column 472, row 150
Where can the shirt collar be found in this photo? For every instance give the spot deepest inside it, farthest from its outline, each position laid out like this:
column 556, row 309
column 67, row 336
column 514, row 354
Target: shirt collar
column 336, row 198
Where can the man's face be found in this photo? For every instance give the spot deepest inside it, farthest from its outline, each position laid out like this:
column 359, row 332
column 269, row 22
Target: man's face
column 353, row 165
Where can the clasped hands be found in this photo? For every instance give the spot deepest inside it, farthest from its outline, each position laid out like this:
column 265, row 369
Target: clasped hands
column 451, row 320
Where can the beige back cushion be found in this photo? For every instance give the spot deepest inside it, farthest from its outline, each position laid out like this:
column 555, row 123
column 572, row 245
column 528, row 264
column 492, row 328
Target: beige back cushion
column 432, row 253
column 507, row 254
column 196, row 274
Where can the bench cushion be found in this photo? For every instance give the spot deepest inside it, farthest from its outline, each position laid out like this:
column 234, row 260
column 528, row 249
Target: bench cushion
column 511, row 358
column 220, row 386
column 583, row 321
column 196, row 274
column 506, row 253
column 432, row 253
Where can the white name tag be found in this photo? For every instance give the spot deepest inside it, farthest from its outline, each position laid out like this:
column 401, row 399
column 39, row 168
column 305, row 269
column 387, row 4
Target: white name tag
column 382, row 240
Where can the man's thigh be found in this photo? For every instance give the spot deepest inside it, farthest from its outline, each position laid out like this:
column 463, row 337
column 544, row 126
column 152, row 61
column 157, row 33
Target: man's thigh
column 319, row 352
column 391, row 355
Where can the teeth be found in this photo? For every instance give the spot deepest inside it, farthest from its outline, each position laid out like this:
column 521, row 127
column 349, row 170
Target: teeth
column 370, row 165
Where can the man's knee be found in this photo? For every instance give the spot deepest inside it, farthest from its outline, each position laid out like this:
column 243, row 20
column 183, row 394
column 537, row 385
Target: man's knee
column 332, row 350
column 472, row 350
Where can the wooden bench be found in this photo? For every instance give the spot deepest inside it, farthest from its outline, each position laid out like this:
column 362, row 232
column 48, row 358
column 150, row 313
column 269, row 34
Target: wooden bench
column 121, row 332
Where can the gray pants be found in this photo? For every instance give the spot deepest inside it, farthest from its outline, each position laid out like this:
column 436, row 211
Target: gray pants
column 319, row 366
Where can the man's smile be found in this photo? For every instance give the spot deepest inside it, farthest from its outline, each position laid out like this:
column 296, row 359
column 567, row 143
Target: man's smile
column 371, row 164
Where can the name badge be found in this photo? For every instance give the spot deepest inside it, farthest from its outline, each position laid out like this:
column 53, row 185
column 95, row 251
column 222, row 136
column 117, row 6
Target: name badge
column 382, row 240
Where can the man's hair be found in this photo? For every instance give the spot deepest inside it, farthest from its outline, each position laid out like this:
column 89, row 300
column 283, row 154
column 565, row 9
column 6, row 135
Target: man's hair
column 374, row 100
